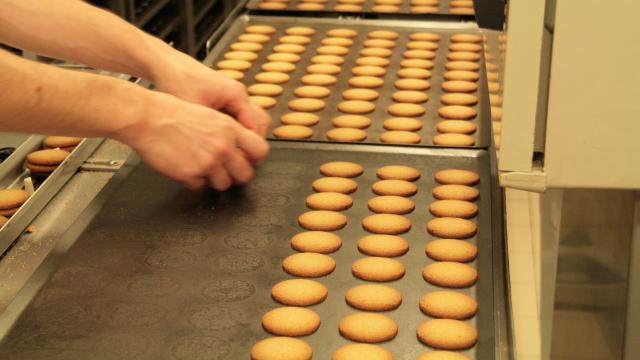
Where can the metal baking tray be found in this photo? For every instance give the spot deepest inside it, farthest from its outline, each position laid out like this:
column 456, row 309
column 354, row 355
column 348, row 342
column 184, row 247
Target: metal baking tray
column 367, row 10
column 404, row 28
column 164, row 273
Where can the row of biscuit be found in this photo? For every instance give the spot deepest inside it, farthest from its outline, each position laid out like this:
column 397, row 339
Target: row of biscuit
column 457, row 7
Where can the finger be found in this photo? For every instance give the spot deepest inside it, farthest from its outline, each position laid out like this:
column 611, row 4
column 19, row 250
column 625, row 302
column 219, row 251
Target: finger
column 196, row 183
column 238, row 167
column 253, row 145
column 248, row 114
column 218, row 178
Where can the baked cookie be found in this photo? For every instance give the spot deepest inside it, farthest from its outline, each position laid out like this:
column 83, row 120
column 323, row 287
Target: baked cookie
column 368, row 70
column 265, row 89
column 442, row 355
column 377, row 52
column 342, row 32
column 459, row 99
column 402, row 124
column 346, row 134
column 327, row 59
column 390, row 224
column 256, row 38
column 308, row 264
column 453, row 208
column 410, row 96
column 372, row 61
column 379, row 43
column 260, row 29
column 300, row 30
column 278, row 66
column 466, row 38
column 351, row 121
column 462, row 65
column 452, row 228
column 289, row 48
column 284, row 57
column 366, row 82
column 321, row 242
column 334, row 201
column 11, row 200
column 451, row 250
column 322, row 220
column 425, row 36
column 341, row 169
column 463, row 56
column 265, row 102
column 462, row 75
column 412, row 84
column 299, row 292
column 44, row 162
column 281, row 347
column 337, row 41
column 332, row 50
column 391, row 204
column 383, row 245
column 335, row 184
column 457, row 112
column 368, row 327
column 406, row 110
column 311, row 91
column 356, row 107
column 347, row 7
column 385, row 8
column 394, row 187
column 306, row 105
column 318, row 79
column 448, row 305
column 459, row 86
column 292, row 132
column 271, row 77
column 66, row 143
column 373, row 297
column 453, row 139
column 400, row 137
column 246, row 46
column 450, row 274
column 456, row 126
column 383, row 34
column 362, row 352
column 447, row 334
column 419, row 54
column 417, row 63
column 291, row 321
column 329, row 69
column 455, row 191
column 398, row 172
column 300, row 118
column 381, row 269
column 414, row 73
column 294, row 39
column 421, row 9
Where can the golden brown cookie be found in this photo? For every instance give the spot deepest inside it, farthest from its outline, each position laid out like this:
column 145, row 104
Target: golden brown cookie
column 421, row 9
column 256, row 38
column 400, row 137
column 462, row 65
column 356, row 107
column 232, row 74
column 459, row 86
column 379, row 269
column 265, row 102
column 453, row 139
column 394, row 187
column 278, row 66
column 442, row 355
column 337, row 41
column 11, row 200
column 260, row 29
column 335, row 184
column 308, row 264
column 457, row 112
column 271, row 77
column 406, row 110
column 425, row 36
column 453, row 208
column 383, row 34
column 318, row 79
column 351, row 121
column 410, row 96
column 271, row 5
column 463, row 56
column 323, row 220
column 300, row 118
column 376, row 52
column 419, row 54
column 333, row 201
column 414, row 73
column 456, row 126
column 44, row 162
column 422, row 45
column 327, row 59
column 383, row 245
column 368, row 327
column 239, row 65
column 332, row 50
column 299, row 292
column 346, row 134
column 457, row 177
column 403, row 124
column 284, row 57
column 448, row 304
column 373, row 297
column 368, row 70
column 412, row 84
column 291, row 321
column 450, row 274
column 385, row 8
column 294, row 39
column 366, row 82
column 389, row 224
column 347, row 7
column 246, row 46
column 329, row 69
column 392, row 204
column 361, row 352
column 372, row 61
column 281, row 347
column 321, row 242
column 466, row 38
column 341, row 32
column 289, row 48
column 451, row 250
column 459, row 99
column 311, row 91
column 341, row 169
column 379, row 43
column 417, row 63
column 306, row 105
column 292, row 132
column 451, row 228
column 398, row 172
column 360, row 94
column 66, row 143
column 265, row 89
column 463, row 75
column 447, row 334
column 300, row 30
column 455, row 191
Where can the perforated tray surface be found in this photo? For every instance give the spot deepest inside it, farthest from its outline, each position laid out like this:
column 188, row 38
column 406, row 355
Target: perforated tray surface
column 164, row 273
column 404, row 29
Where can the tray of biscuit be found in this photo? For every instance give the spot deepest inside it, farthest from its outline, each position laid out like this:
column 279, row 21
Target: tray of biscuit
column 362, row 81
column 332, row 252
column 459, row 8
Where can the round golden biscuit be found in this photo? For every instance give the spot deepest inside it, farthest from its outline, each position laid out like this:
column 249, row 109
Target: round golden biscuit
column 271, row 77
column 457, row 177
column 300, row 30
column 292, row 132
column 463, row 75
column 335, row 184
column 456, row 126
column 360, row 94
column 452, row 228
column 372, row 61
column 448, row 304
column 299, row 292
column 255, row 38
column 289, row 48
column 294, row 39
column 459, row 99
column 496, row 114
column 425, row 36
column 361, row 352
column 42, row 170
column 493, row 76
column 442, row 355
column 284, row 57
column 338, row 41
column 410, row 96
column 323, row 69
column 246, row 46
column 327, row 59
column 389, row 224
column 385, row 8
column 341, row 169
column 455, row 191
column 391, row 204
column 417, row 63
column 383, row 245
column 421, row 9
column 306, row 104
column 461, row 3
column 453, row 208
column 232, row 74
column 271, row 5
column 394, row 187
column 310, row 6
column 398, row 172
column 356, row 107
column 241, row 55
column 311, row 91
column 453, row 139
column 322, row 220
column 345, row 33
column 300, row 118
column 376, row 52
column 422, row 45
column 368, row 70
column 12, row 199
column 318, row 79
column 459, row 86
column 264, row 102
column 379, row 43
column 414, row 73
column 447, row 334
column 463, row 56
column 402, row 124
column 278, row 66
column 332, row 50
column 466, row 38
column 347, row 7
column 400, row 137
column 308, row 264
column 265, row 89
column 451, row 250
column 406, row 110
column 492, row 67
column 461, row 11
column 368, row 327
column 351, row 121
column 450, row 274
column 329, row 201
column 280, row 348
column 321, row 242
column 66, row 143
column 374, row 297
column 497, row 127
column 366, row 82
column 291, row 321
column 260, row 29
column 3, row 220
column 412, row 84
column 383, row 34
column 494, row 87
column 380, row 269
column 419, row 54
column 346, row 134
column 465, row 47
column 462, row 66
column 457, row 112
column 239, row 65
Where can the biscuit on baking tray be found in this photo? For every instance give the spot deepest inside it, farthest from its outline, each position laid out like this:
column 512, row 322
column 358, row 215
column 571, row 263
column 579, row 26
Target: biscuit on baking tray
column 330, row 201
column 373, row 297
column 321, row 242
column 389, row 224
column 299, row 292
column 361, row 352
column 281, row 347
column 398, row 172
column 450, row 274
column 447, row 334
column 308, row 264
column 379, row 269
column 341, row 169
column 451, row 228
column 392, row 204
column 368, row 327
column 451, row 250
column 291, row 321
column 335, row 184
column 383, row 245
column 447, row 304
column 322, row 220
column 394, row 187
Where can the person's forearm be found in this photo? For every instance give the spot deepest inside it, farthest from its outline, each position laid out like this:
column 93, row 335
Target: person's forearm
column 75, row 31
column 43, row 99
